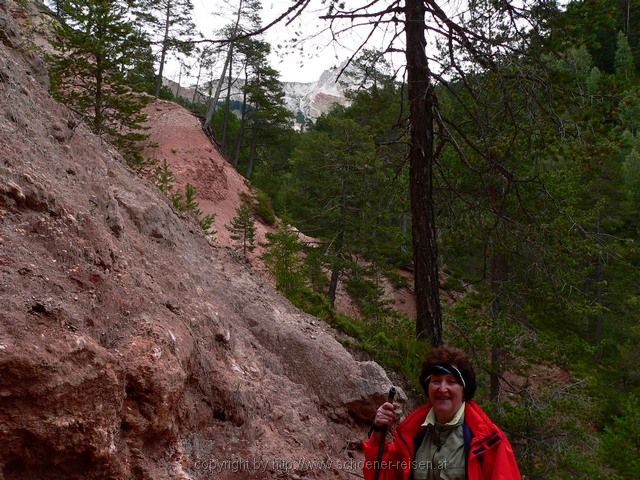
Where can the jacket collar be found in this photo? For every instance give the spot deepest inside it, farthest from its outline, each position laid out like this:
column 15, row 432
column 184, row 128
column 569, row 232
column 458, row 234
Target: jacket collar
column 478, row 421
column 431, row 417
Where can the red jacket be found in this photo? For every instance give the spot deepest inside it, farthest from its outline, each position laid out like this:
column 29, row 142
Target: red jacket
column 489, row 453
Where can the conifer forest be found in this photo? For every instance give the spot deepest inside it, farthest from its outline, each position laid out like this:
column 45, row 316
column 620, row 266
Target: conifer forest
column 488, row 159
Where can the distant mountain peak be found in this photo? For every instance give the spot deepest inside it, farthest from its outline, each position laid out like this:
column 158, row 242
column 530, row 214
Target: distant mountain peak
column 306, row 100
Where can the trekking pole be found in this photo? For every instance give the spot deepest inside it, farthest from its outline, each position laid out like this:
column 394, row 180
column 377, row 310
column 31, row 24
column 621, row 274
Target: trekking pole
column 390, row 397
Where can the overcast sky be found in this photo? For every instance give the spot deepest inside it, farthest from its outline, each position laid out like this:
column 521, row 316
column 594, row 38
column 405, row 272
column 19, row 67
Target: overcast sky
column 318, row 53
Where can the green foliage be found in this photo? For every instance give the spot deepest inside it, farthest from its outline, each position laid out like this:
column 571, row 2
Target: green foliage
column 340, row 191
column 364, row 287
column 170, row 24
column 314, row 267
column 550, row 428
column 141, row 76
column 97, row 49
column 207, row 223
column 167, row 94
column 624, row 58
column 243, row 229
column 593, row 23
column 264, row 209
column 629, row 113
column 186, row 202
column 264, row 91
column 264, row 113
column 593, row 82
column 621, row 440
column 283, row 258
column 189, row 203
column 164, row 179
column 631, row 171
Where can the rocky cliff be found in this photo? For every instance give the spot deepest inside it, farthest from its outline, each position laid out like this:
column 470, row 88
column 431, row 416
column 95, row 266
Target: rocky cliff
column 130, row 346
column 306, row 101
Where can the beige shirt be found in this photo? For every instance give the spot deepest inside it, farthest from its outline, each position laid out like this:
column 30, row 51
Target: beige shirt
column 441, row 454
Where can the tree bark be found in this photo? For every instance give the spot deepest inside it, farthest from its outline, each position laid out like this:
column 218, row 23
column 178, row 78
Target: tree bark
column 97, row 108
column 254, row 144
column 497, row 273
column 599, row 320
column 628, row 17
column 227, row 101
column 163, row 53
column 421, row 159
column 243, row 121
column 195, row 89
column 335, row 269
column 213, row 104
column 178, row 87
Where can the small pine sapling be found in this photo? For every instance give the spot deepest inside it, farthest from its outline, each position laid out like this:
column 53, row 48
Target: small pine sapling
column 243, row 230
column 164, row 178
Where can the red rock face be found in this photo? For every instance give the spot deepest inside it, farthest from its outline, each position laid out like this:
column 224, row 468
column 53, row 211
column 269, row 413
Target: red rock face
column 132, row 348
column 178, row 138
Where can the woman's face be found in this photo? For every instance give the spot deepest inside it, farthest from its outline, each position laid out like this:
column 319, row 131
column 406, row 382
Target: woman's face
column 446, row 396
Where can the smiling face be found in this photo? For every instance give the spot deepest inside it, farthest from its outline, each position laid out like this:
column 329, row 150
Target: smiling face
column 446, row 394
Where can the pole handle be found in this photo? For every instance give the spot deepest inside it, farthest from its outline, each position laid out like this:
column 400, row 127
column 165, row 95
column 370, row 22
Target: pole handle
column 390, row 398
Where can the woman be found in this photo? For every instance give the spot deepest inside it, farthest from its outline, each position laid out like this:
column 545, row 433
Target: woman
column 449, row 438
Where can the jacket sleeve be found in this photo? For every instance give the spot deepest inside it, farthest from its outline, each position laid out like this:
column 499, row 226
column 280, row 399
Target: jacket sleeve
column 392, row 465
column 502, row 465
column 370, row 448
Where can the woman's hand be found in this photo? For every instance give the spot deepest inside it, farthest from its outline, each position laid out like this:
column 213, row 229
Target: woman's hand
column 386, row 415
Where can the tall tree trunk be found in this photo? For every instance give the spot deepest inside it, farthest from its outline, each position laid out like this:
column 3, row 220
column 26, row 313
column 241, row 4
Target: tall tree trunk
column 335, row 269
column 404, row 228
column 226, row 103
column 243, row 121
column 195, row 90
column 244, row 245
column 254, row 144
column 213, row 104
column 165, row 47
column 97, row 108
column 179, row 80
column 421, row 159
column 497, row 277
column 497, row 273
column 599, row 279
column 333, row 285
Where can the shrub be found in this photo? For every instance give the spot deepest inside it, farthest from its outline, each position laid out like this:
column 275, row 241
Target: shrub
column 263, row 208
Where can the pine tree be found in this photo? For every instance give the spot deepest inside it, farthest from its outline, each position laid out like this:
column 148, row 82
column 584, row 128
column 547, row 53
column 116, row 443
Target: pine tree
column 624, row 58
column 265, row 97
column 631, row 171
column 621, row 440
column 190, row 204
column 97, row 45
column 207, row 222
column 283, row 259
column 331, row 187
column 246, row 20
column 172, row 19
column 164, row 178
column 243, row 229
